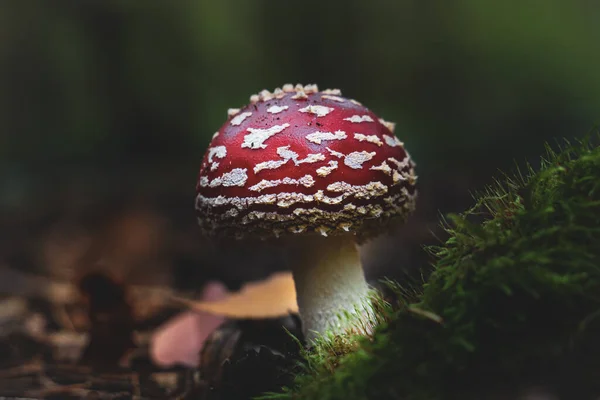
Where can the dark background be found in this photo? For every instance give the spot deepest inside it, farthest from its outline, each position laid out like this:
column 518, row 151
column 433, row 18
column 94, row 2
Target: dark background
column 106, row 109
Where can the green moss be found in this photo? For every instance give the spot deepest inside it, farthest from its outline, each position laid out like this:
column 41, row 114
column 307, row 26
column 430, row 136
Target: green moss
column 514, row 299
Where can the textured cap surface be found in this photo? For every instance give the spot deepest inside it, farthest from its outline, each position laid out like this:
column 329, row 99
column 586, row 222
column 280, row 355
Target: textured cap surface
column 300, row 160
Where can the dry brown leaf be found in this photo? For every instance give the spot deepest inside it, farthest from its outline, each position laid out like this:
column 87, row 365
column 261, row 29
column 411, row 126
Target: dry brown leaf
column 272, row 297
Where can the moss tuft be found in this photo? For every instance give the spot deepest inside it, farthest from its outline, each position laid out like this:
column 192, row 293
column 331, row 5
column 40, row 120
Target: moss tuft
column 514, row 300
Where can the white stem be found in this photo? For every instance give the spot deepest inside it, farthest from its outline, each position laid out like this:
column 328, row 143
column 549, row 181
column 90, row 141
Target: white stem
column 330, row 283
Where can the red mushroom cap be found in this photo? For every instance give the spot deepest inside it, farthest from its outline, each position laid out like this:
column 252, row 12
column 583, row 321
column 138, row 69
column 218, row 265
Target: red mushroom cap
column 302, row 161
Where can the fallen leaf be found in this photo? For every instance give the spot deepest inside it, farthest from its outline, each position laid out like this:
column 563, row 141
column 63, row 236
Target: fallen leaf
column 269, row 298
column 179, row 341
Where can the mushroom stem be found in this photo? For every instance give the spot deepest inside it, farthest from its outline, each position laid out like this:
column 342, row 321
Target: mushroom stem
column 331, row 290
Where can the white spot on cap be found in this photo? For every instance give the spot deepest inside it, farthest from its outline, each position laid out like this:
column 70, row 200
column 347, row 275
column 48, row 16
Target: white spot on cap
column 359, row 118
column 412, row 178
column 336, row 153
column 383, row 167
column 257, row 136
column 358, row 103
column 306, row 181
column 300, row 95
column 217, row 151
column 318, row 137
column 276, row 109
column 215, row 134
column 369, row 138
column 204, row 181
column 390, row 125
column 265, row 95
column 397, row 177
column 392, row 141
column 356, row 159
column 214, row 166
column 319, row 111
column 238, row 119
column 326, row 170
column 334, row 98
column 400, row 164
column 288, row 199
column 232, row 112
column 236, row 177
column 322, row 198
column 284, row 152
column 311, row 158
column 308, row 89
column 371, row 189
column 254, row 98
column 288, row 88
column 264, row 184
column 273, row 164
column 335, row 92
column 287, row 154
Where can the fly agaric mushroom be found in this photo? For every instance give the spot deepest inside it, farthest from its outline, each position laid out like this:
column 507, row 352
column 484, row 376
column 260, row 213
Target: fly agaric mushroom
column 322, row 173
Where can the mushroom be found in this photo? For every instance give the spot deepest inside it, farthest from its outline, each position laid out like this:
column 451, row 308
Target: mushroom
column 319, row 172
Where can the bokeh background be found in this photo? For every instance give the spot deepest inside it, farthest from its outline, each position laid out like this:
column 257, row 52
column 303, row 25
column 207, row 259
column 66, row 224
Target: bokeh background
column 106, row 109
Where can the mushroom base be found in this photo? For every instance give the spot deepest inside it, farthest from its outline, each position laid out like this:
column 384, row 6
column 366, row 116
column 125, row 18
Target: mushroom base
column 331, row 290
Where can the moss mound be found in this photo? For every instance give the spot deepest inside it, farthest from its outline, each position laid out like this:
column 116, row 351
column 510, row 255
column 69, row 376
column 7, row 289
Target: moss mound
column 514, row 300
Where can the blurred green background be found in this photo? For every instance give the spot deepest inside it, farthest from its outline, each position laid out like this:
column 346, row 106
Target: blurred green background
column 106, row 107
